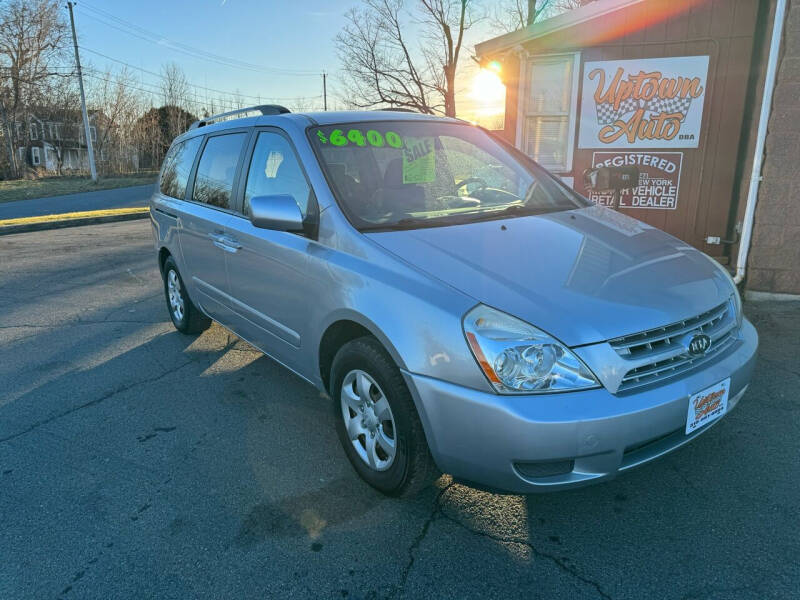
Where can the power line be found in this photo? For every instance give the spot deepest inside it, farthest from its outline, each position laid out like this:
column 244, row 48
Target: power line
column 154, row 89
column 225, row 104
column 192, row 85
column 134, row 30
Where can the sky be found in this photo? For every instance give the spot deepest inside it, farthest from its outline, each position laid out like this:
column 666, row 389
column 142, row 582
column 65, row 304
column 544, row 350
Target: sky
column 293, row 41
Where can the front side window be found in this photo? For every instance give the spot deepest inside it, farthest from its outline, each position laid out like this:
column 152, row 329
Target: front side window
column 274, row 169
column 412, row 174
column 177, row 166
column 216, row 170
column 549, row 103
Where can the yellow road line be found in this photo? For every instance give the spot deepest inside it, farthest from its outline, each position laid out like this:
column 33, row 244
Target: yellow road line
column 73, row 215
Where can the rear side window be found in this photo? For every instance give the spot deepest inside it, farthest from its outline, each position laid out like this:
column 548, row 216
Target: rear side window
column 216, row 170
column 177, row 166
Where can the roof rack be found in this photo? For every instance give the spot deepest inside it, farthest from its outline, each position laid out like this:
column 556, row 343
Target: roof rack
column 264, row 109
column 396, row 109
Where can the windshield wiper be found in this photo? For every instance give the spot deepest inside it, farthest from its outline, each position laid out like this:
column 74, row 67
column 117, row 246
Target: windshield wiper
column 405, row 223
column 515, row 210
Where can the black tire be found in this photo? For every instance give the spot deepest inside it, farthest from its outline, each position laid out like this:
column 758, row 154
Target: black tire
column 412, row 468
column 189, row 320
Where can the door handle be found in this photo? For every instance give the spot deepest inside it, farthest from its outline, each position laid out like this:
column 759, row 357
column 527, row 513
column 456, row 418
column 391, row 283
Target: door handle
column 232, row 242
column 223, row 246
column 224, row 243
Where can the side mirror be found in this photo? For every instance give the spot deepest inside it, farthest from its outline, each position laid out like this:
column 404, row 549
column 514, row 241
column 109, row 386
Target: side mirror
column 279, row 212
column 602, row 179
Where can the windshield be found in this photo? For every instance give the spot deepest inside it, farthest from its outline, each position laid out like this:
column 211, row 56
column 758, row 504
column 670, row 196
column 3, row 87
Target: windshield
column 412, row 174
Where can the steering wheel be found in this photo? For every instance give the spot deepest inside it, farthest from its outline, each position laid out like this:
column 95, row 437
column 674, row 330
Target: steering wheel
column 469, row 180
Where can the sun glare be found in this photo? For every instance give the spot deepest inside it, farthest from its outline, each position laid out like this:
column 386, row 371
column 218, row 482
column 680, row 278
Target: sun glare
column 488, row 89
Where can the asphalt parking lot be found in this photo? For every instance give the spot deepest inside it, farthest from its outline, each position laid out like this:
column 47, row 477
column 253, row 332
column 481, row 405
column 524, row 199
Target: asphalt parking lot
column 139, row 462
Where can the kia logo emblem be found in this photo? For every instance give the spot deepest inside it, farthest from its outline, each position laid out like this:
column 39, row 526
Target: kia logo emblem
column 699, row 344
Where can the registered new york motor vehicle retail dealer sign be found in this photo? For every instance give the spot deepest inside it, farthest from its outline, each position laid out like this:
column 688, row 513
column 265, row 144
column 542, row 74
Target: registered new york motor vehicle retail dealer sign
column 659, row 179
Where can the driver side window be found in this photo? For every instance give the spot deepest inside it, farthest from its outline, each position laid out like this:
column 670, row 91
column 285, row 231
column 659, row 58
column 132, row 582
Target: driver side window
column 275, row 169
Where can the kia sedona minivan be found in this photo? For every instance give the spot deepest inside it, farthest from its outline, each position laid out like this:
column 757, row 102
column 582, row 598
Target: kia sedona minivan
column 465, row 311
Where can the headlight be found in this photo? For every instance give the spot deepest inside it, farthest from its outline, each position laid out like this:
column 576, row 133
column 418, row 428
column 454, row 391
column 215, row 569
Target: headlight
column 737, row 299
column 737, row 304
column 517, row 358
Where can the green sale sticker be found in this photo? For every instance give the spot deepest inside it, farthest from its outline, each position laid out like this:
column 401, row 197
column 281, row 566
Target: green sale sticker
column 419, row 160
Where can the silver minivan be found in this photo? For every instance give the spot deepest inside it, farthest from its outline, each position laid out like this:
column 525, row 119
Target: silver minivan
column 466, row 311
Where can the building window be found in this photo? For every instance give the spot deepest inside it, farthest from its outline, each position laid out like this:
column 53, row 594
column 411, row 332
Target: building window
column 548, row 107
column 34, row 130
column 35, row 157
column 82, row 134
column 54, row 133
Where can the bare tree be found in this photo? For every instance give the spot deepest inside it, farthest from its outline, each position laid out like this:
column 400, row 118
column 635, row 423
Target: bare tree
column 33, row 39
column 237, row 100
column 149, row 138
column 382, row 66
column 175, row 91
column 117, row 105
column 303, row 104
column 446, row 23
column 511, row 15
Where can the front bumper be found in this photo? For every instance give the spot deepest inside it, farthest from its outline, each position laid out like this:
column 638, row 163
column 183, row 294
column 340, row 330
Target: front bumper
column 526, row 444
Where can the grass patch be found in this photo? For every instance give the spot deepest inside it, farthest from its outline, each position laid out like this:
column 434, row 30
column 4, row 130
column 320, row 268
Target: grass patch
column 24, row 189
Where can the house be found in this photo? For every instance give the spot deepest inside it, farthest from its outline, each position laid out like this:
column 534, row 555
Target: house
column 54, row 143
column 683, row 89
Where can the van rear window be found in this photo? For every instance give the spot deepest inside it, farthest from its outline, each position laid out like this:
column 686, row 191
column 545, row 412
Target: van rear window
column 177, row 166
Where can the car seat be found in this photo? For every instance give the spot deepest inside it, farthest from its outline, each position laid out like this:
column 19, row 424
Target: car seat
column 398, row 197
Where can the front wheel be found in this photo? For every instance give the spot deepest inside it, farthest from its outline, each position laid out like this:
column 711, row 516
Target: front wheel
column 377, row 422
column 186, row 317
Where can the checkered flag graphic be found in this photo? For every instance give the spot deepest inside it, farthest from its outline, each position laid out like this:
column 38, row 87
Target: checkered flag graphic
column 669, row 105
column 607, row 114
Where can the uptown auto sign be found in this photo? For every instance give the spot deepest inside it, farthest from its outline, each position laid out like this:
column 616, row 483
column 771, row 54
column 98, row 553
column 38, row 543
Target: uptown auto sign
column 643, row 103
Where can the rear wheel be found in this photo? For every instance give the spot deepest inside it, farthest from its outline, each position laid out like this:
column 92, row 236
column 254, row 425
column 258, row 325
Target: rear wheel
column 186, row 317
column 377, row 422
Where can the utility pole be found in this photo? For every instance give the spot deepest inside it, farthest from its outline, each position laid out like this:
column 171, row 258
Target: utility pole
column 89, row 145
column 325, row 90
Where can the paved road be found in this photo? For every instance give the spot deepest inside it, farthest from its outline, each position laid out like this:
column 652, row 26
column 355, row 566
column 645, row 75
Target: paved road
column 136, row 462
column 128, row 197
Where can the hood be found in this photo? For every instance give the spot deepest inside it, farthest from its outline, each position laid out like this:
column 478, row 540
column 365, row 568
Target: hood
column 583, row 276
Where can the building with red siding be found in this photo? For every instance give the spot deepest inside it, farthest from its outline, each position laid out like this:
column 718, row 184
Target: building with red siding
column 703, row 96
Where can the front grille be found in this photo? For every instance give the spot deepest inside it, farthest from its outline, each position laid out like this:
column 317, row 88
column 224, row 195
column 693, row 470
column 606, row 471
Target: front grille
column 660, row 353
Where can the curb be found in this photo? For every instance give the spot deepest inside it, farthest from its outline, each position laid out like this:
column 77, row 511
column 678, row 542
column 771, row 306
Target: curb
column 87, row 218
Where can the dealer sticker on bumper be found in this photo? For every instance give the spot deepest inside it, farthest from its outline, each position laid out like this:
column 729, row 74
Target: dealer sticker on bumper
column 707, row 405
